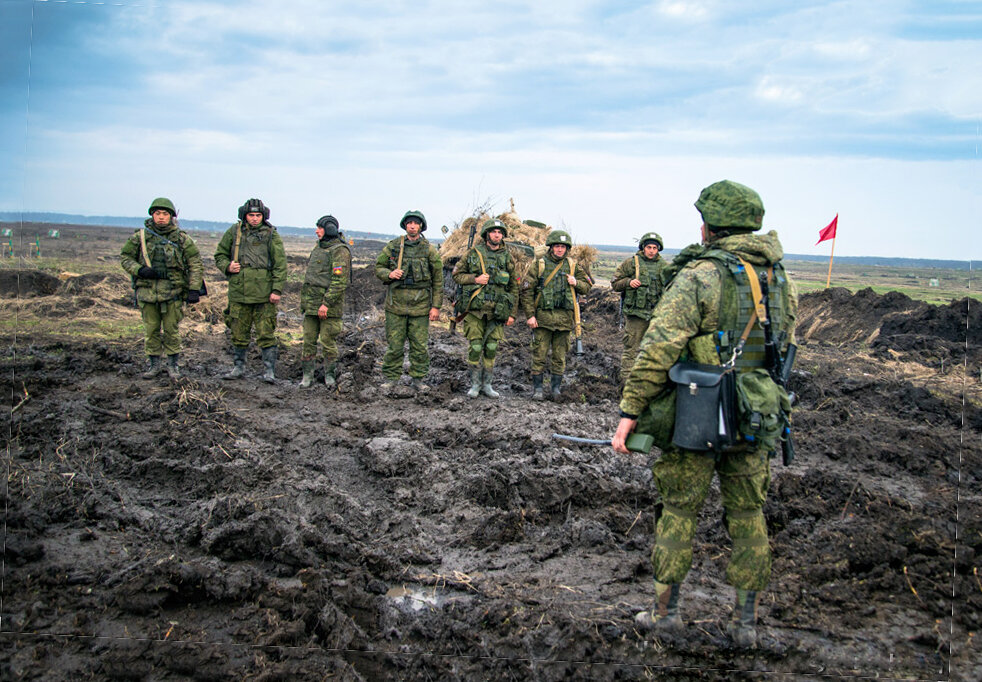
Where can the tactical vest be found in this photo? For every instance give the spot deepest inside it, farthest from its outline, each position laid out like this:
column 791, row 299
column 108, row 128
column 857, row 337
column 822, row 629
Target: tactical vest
column 320, row 265
column 255, row 247
column 415, row 263
column 641, row 301
column 496, row 290
column 557, row 294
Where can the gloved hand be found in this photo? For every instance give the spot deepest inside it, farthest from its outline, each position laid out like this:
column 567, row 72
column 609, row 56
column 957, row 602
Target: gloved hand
column 193, row 296
column 146, row 273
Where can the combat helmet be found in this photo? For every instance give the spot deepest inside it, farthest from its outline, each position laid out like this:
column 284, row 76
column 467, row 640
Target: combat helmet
column 559, row 237
column 162, row 203
column 728, row 204
column 493, row 224
column 254, row 206
column 651, row 238
column 330, row 226
column 414, row 214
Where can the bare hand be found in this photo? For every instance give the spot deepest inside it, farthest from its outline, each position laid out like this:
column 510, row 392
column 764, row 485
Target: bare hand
column 510, row 322
column 322, row 312
column 624, row 429
column 571, row 280
column 434, row 314
column 234, row 267
column 532, row 322
column 635, row 283
column 482, row 279
column 396, row 274
column 274, row 298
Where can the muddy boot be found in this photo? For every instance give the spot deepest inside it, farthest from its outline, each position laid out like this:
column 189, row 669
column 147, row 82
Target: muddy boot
column 308, row 373
column 238, row 368
column 486, row 384
column 153, row 367
column 387, row 385
column 269, row 362
column 743, row 623
column 475, row 389
column 330, row 373
column 664, row 617
column 554, row 384
column 537, row 387
column 419, row 384
column 173, row 371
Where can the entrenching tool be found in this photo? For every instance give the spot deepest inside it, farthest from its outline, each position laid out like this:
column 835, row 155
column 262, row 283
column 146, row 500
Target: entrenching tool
column 636, row 442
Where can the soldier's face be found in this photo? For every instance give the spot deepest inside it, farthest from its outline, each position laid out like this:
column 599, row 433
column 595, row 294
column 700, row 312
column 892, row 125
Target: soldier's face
column 412, row 228
column 161, row 217
column 495, row 237
column 559, row 250
column 650, row 250
column 254, row 219
column 320, row 232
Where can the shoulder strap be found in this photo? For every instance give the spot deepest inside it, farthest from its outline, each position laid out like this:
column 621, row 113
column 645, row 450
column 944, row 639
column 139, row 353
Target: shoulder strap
column 402, row 248
column 143, row 247
column 637, row 267
column 238, row 238
column 484, row 271
column 759, row 311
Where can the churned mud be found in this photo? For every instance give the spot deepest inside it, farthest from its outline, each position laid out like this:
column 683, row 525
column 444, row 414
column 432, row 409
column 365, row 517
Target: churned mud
column 226, row 530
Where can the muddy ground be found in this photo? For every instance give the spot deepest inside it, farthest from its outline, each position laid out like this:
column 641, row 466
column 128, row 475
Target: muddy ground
column 236, row 530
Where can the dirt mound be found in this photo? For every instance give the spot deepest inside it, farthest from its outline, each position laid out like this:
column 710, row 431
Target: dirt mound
column 836, row 315
column 26, row 283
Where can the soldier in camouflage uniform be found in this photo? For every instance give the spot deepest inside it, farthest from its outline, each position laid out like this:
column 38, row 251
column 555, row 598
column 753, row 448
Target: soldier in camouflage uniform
column 639, row 279
column 167, row 271
column 412, row 270
column 706, row 307
column 322, row 299
column 547, row 299
column 490, row 300
column 251, row 256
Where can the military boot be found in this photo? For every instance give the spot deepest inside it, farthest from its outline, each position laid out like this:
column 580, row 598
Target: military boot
column 238, row 368
column 486, row 384
column 173, row 371
column 419, row 384
column 537, row 387
column 269, row 362
column 475, row 389
column 743, row 623
column 554, row 384
column 664, row 617
column 330, row 373
column 153, row 367
column 308, row 373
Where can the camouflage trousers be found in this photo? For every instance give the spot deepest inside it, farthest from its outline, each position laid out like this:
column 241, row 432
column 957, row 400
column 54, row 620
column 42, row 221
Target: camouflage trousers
column 634, row 329
column 683, row 479
column 542, row 341
column 399, row 329
column 327, row 331
column 160, row 323
column 242, row 316
column 483, row 342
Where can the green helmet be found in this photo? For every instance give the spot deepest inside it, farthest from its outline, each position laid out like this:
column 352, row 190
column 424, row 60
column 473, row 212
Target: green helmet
column 493, row 224
column 413, row 214
column 559, row 237
column 729, row 204
column 162, row 203
column 651, row 237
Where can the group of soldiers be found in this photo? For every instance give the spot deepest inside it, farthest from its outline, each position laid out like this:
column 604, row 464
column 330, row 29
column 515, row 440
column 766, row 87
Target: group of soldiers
column 701, row 307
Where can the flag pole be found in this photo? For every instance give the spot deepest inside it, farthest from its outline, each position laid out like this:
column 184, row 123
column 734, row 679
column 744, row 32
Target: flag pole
column 828, row 279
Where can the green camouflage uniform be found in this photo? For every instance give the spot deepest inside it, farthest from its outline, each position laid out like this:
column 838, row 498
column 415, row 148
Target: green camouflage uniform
column 488, row 307
column 685, row 321
column 325, row 281
column 263, row 261
column 174, row 255
column 408, row 302
column 552, row 307
column 638, row 303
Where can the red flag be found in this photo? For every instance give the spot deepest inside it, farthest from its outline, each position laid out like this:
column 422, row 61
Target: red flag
column 828, row 232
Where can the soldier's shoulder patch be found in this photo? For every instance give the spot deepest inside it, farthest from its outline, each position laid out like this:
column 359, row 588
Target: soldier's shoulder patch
column 338, row 269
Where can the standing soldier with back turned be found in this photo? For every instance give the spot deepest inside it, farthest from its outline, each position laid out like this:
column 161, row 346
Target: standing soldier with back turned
column 548, row 299
column 412, row 270
column 166, row 269
column 490, row 300
column 711, row 315
column 252, row 257
column 639, row 279
column 322, row 299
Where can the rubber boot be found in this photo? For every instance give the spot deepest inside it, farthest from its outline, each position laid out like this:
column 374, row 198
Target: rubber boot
column 743, row 623
column 153, row 367
column 173, row 371
column 475, row 389
column 330, row 373
column 238, row 368
column 537, row 387
column 664, row 617
column 419, row 384
column 308, row 373
column 269, row 362
column 555, row 383
column 486, row 384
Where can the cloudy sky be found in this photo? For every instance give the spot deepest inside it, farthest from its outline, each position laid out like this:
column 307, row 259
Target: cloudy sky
column 603, row 117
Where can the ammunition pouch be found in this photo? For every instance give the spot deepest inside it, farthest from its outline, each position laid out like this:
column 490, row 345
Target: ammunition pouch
column 705, row 407
column 501, row 277
column 764, row 408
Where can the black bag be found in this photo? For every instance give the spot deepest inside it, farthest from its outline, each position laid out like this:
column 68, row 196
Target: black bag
column 705, row 406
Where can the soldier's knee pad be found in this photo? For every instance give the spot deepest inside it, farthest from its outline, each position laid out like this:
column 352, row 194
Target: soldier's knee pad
column 490, row 349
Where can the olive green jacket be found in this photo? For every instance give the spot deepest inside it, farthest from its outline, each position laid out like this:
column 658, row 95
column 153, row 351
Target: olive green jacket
column 328, row 272
column 421, row 286
column 552, row 305
column 173, row 254
column 500, row 293
column 263, row 260
column 641, row 301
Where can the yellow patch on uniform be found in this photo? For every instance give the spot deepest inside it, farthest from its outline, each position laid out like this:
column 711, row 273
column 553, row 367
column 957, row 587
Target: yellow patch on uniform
column 338, row 269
